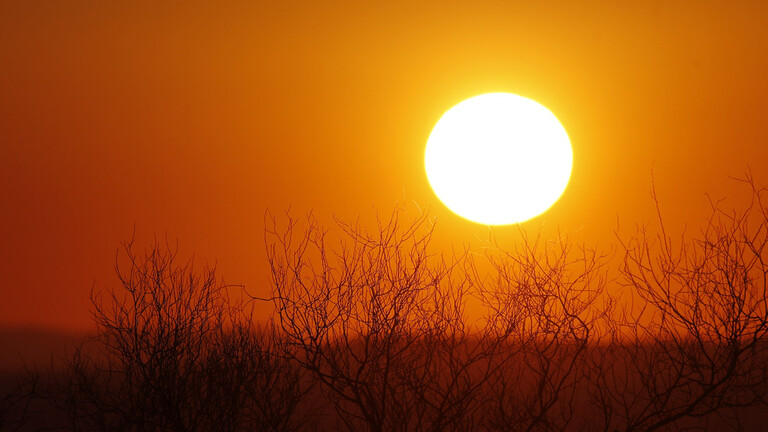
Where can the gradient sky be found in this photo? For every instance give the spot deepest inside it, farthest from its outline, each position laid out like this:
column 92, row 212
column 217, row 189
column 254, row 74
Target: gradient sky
column 191, row 119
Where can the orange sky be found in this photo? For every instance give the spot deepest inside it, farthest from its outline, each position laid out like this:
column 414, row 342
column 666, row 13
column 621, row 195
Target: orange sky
column 192, row 120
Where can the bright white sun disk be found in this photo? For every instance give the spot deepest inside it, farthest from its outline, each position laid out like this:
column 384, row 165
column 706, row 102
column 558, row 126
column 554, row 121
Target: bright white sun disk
column 498, row 159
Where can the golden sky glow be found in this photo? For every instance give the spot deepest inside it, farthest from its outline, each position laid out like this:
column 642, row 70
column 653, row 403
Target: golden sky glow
column 190, row 121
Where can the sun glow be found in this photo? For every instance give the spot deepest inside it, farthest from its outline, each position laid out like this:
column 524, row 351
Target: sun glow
column 498, row 159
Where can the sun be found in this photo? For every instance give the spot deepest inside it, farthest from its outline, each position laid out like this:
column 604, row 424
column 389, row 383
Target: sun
column 498, row 159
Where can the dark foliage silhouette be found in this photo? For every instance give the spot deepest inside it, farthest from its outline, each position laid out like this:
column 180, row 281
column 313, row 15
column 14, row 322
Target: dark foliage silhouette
column 16, row 402
column 372, row 330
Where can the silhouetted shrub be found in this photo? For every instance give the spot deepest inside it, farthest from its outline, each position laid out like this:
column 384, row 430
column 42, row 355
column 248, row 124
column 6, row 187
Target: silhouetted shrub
column 174, row 353
column 381, row 323
column 696, row 345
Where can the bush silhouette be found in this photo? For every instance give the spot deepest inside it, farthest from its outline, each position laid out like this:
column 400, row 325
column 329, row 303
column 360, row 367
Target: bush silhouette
column 697, row 345
column 381, row 323
column 174, row 353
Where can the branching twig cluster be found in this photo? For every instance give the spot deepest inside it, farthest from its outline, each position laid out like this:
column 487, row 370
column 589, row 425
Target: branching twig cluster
column 174, row 353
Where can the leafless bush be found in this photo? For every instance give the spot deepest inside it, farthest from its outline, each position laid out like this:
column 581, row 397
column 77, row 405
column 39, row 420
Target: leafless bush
column 174, row 353
column 380, row 323
column 697, row 347
column 543, row 302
